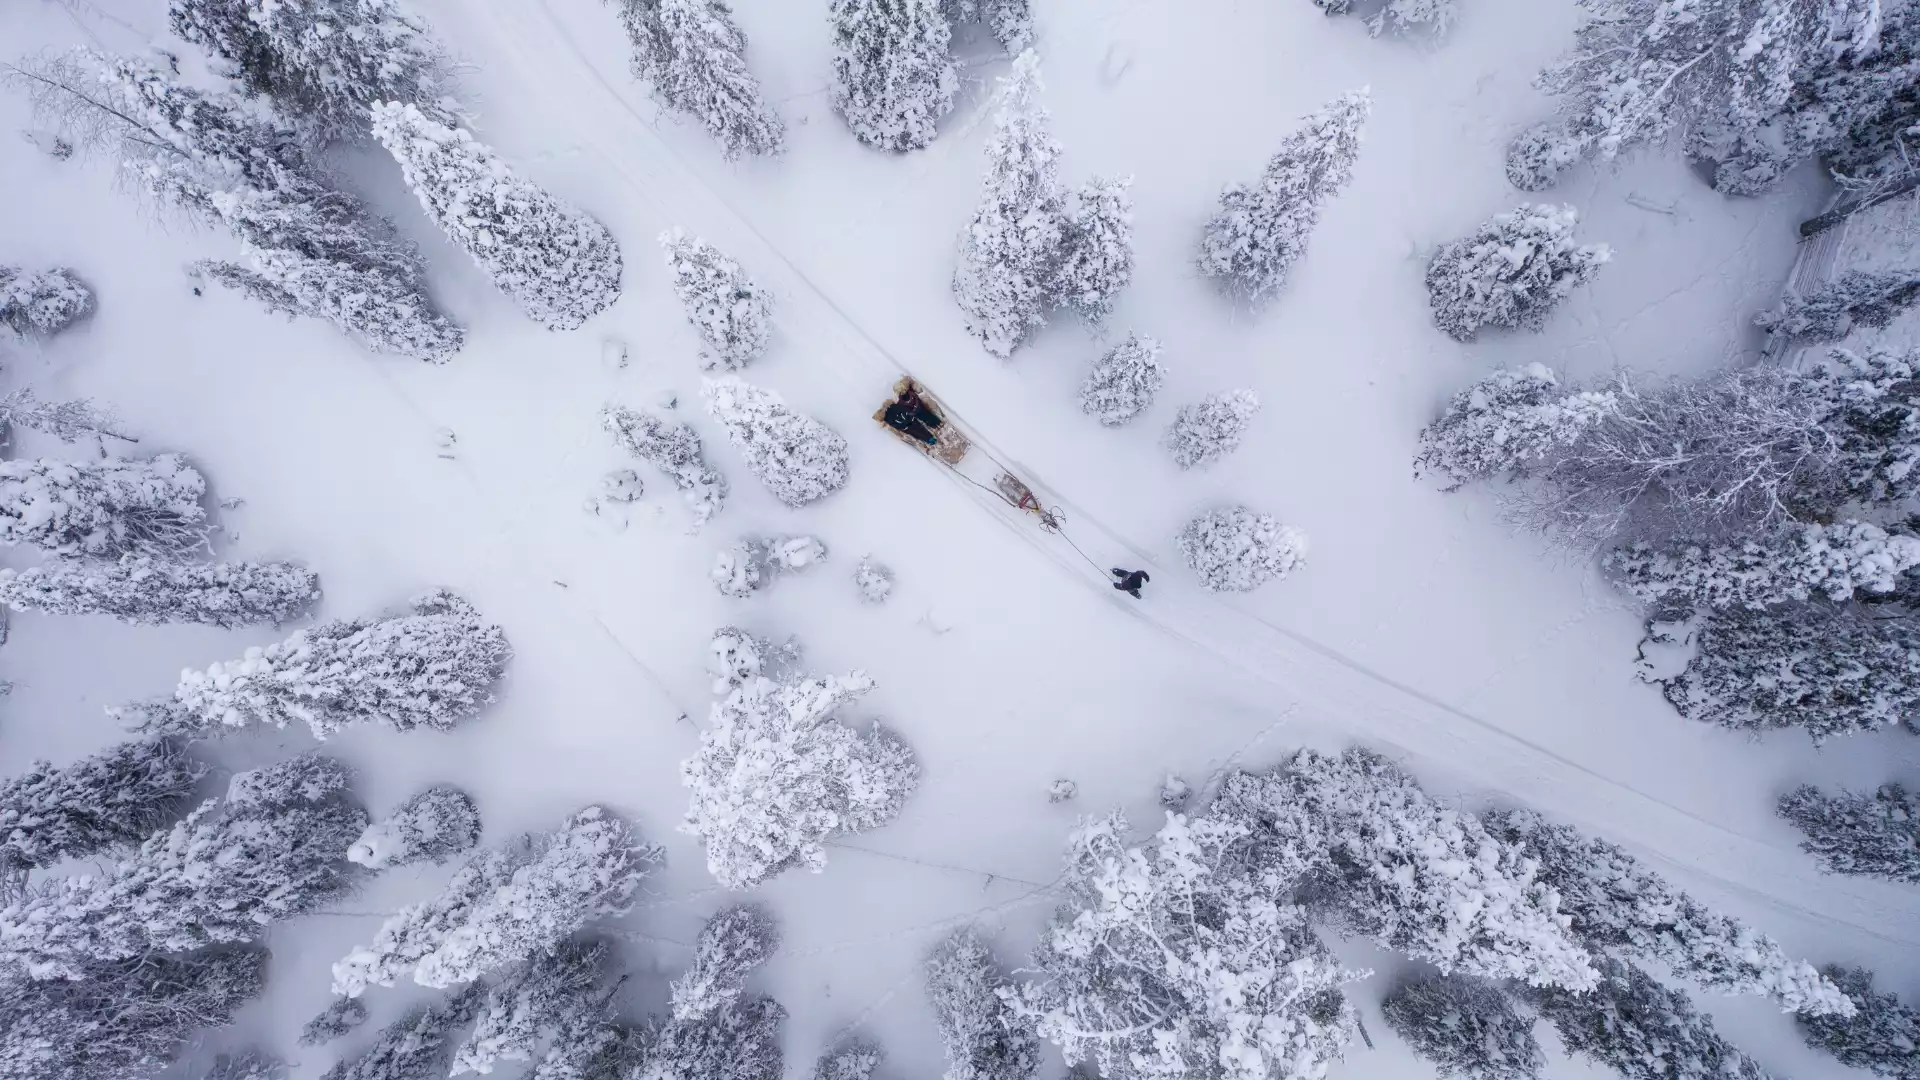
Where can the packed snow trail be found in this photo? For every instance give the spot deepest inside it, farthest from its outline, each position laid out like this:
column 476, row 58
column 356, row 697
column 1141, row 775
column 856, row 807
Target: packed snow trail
column 1352, row 697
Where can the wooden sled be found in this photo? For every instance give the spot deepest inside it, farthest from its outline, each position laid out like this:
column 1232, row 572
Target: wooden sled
column 951, row 445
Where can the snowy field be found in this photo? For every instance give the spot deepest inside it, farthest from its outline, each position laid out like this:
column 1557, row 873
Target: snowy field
column 1499, row 670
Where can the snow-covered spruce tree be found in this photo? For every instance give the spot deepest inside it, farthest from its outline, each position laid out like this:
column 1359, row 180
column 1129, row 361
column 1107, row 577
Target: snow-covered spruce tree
column 1876, row 835
column 1431, row 17
column 558, row 263
column 693, row 54
column 732, row 943
column 1011, row 250
column 1204, row 433
column 115, row 798
column 1096, row 249
column 103, row 508
column 123, row 1019
column 252, row 1064
column 1790, row 564
column 674, row 449
column 739, row 1042
column 221, row 876
column 1513, row 271
column 416, row 1046
column 325, row 64
column 1872, row 403
column 1235, row 549
column 893, row 72
column 338, row 1019
column 1855, row 299
column 1859, row 113
column 1642, row 1030
column 310, row 777
column 547, row 999
column 732, row 314
column 1466, row 1028
column 1802, row 665
column 777, row 776
column 985, row 1038
column 1505, row 423
column 1619, row 907
column 799, row 458
column 1391, row 863
column 1176, row 959
column 432, row 667
column 855, row 1060
column 1882, row 1036
column 1011, row 21
column 145, row 590
column 1123, row 381
column 1261, row 229
column 504, row 906
column 433, row 826
column 44, row 303
column 739, row 569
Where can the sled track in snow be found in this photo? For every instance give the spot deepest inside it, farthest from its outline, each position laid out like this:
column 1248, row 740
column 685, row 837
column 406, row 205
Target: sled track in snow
column 1304, row 673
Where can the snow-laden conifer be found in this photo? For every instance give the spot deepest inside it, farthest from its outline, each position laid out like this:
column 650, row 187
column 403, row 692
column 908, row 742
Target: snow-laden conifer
column 731, row 945
column 1123, row 381
column 1855, row 299
column 1875, row 835
column 433, row 826
column 732, row 314
column 115, row 798
column 1096, row 248
column 146, row 590
column 674, row 449
column 250, row 1064
column 1512, row 272
column 1210, row 430
column 799, row 458
column 547, row 999
column 337, row 1020
column 874, row 581
column 1010, row 21
column 693, row 54
column 412, row 934
column 558, row 263
column 109, row 507
column 42, row 304
column 416, row 1046
column 1261, row 229
column 984, row 1036
column 1465, row 1028
column 893, row 71
column 1881, row 1037
column 1235, row 549
column 1792, row 564
column 1642, row 1030
column 854, row 1060
column 1507, row 423
column 738, row 1042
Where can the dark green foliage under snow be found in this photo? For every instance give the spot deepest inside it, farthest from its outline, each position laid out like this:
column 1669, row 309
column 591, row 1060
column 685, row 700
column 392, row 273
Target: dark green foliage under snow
column 1466, row 1028
column 1876, row 835
column 114, row 798
column 1882, row 1037
column 417, row 1045
column 1643, row 1030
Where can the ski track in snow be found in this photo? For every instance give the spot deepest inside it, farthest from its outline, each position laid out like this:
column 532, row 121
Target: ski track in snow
column 1367, row 702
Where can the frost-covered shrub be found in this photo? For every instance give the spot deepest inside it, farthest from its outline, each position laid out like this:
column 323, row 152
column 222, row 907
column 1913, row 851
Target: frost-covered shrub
column 795, row 554
column 1123, row 381
column 1642, row 1030
column 739, row 1042
column 103, row 508
column 1096, row 248
column 1513, row 271
column 308, row 778
column 1235, row 549
column 674, row 449
column 1011, row 21
column 416, row 1046
column 797, row 457
column 42, row 304
column 1466, row 1028
column 694, row 55
column 874, row 581
column 1062, row 790
column 1854, row 299
column 1539, row 154
column 115, row 798
column 550, row 999
column 856, row 1060
column 1876, row 835
column 731, row 945
column 622, row 486
column 433, row 826
column 1174, row 793
column 893, row 72
column 738, row 657
column 337, row 1020
column 1506, row 423
column 1261, row 230
column 777, row 776
column 432, row 667
column 985, row 1038
column 247, row 1065
column 561, row 265
column 733, row 314
column 1431, row 17
column 1202, row 434
column 145, row 590
column 68, row 421
column 737, row 569
column 1792, row 564
column 1881, row 1037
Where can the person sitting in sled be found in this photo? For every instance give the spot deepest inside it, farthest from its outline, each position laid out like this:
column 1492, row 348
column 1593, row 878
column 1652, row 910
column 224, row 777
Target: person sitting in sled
column 909, row 415
column 1129, row 581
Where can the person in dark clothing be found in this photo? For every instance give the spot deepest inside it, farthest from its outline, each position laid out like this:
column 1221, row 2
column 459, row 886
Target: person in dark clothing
column 917, row 405
column 902, row 418
column 1130, row 581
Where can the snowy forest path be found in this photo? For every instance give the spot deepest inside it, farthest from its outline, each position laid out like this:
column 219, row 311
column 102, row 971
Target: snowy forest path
column 1348, row 694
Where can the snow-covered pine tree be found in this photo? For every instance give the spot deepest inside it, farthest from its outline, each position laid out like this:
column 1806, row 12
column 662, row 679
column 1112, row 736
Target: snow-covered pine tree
column 799, row 458
column 1617, row 906
column 1855, row 299
column 1801, row 665
column 416, row 1046
column 1506, row 423
column 854, row 1060
column 1859, row 113
column 674, row 449
column 1210, row 430
column 1790, row 564
column 985, row 1038
column 738, row 1042
column 1881, row 1037
column 44, row 303
column 115, row 798
column 1872, row 408
column 1410, row 873
column 123, row 1019
column 1642, row 1030
column 103, row 508
column 1096, row 248
column 777, row 776
column 433, row 826
column 893, row 72
column 1011, row 21
column 432, row 667
column 251, row 1064
column 146, row 590
column 1010, row 251
column 1875, row 835
column 1430, row 17
column 549, row 998
column 1235, row 549
column 1128, row 975
column 325, row 63
column 339, row 1018
column 558, row 263
column 1123, row 381
column 1261, row 229
column 1513, row 271
column 1466, row 1028
column 732, row 314
column 734, row 941
column 694, row 55
column 409, row 936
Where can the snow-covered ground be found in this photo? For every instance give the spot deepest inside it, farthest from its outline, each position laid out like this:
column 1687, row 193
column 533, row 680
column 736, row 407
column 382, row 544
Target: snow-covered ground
column 1494, row 666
